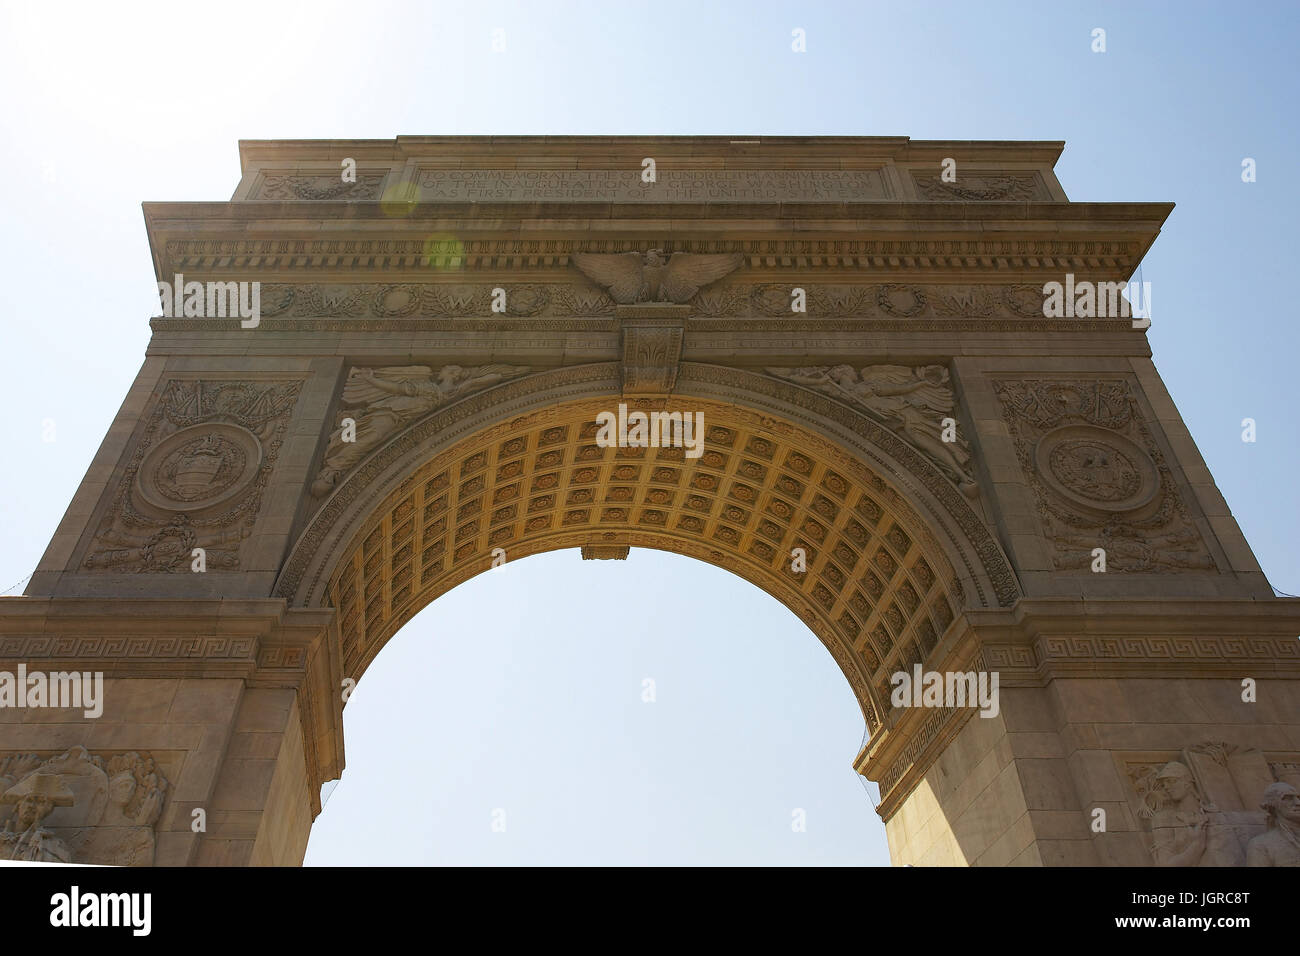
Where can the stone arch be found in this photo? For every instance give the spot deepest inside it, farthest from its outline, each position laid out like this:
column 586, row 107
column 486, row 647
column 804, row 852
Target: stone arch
column 891, row 560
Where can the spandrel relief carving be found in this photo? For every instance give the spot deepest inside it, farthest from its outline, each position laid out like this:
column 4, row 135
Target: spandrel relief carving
column 380, row 402
column 911, row 402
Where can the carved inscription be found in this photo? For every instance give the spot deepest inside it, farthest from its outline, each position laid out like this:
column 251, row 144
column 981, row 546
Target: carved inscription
column 672, row 185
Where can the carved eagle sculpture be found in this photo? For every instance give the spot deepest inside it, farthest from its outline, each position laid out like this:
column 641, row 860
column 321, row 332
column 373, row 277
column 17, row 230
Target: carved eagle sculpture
column 632, row 277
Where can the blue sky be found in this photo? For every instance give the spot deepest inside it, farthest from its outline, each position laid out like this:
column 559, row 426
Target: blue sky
column 526, row 684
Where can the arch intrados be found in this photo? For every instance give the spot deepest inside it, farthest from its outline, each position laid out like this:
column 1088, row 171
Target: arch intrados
column 912, row 482
column 878, row 591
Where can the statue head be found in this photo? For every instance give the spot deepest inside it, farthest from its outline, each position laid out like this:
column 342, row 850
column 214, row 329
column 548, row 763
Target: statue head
column 120, row 788
column 843, row 374
column 1175, row 779
column 448, row 375
column 655, row 257
column 36, row 797
column 1281, row 802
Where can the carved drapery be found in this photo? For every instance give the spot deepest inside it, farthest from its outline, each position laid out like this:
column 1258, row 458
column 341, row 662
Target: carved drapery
column 916, row 403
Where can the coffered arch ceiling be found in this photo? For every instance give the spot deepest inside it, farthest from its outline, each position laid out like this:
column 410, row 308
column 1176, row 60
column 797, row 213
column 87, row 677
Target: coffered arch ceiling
column 892, row 553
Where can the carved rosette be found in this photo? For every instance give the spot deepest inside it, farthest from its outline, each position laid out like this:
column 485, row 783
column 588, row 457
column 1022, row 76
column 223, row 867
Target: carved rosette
column 1099, row 477
column 196, row 477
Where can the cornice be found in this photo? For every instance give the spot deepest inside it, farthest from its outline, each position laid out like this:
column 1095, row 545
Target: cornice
column 733, row 147
column 499, row 216
column 260, row 640
column 1001, row 252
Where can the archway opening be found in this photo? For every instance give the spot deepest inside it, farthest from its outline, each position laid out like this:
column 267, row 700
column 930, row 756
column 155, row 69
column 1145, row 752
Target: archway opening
column 782, row 507
column 654, row 710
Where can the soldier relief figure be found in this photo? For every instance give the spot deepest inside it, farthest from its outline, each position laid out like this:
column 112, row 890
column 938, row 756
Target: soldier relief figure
column 77, row 807
column 382, row 401
column 23, row 837
column 1280, row 846
column 1188, row 831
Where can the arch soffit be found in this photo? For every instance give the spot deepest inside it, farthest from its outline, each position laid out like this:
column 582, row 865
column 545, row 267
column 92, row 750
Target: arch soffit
column 880, row 587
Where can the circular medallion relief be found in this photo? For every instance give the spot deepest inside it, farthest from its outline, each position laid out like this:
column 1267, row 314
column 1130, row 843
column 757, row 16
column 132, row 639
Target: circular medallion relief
column 1097, row 468
column 199, row 467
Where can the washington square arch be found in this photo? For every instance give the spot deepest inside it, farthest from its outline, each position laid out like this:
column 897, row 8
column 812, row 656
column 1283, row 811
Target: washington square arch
column 860, row 401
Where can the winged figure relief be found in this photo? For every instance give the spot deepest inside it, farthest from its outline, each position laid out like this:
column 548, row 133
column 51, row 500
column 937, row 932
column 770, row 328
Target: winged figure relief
column 911, row 402
column 632, row 277
column 381, row 401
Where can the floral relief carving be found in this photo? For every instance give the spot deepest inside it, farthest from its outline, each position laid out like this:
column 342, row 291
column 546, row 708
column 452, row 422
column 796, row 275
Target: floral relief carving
column 909, row 305
column 319, row 187
column 1099, row 477
column 196, row 477
column 994, row 188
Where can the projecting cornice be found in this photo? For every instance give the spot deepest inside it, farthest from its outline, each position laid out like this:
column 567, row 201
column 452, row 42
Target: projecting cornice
column 1011, row 240
column 429, row 210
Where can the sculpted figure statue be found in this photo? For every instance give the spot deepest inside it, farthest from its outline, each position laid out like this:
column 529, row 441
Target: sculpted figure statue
column 1280, row 846
column 1188, row 831
column 23, row 837
column 912, row 403
column 381, row 401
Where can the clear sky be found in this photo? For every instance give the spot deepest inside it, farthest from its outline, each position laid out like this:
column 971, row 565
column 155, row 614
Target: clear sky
column 521, row 690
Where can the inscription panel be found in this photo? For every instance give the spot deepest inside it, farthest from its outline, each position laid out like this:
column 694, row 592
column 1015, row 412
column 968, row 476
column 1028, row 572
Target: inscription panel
column 673, row 185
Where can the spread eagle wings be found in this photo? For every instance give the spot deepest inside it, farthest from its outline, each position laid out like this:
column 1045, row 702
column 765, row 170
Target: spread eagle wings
column 621, row 274
column 688, row 273
column 360, row 390
column 624, row 274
